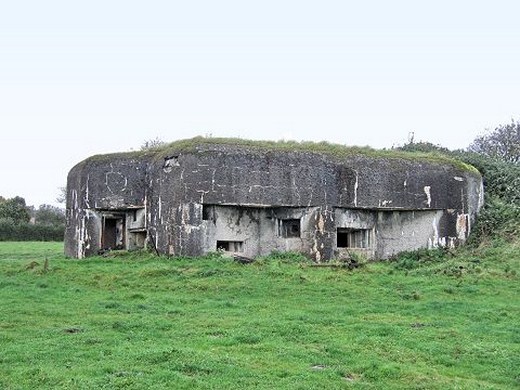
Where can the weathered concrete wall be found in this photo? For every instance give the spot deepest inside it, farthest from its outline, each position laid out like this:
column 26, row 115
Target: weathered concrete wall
column 252, row 189
column 230, row 175
column 259, row 229
column 399, row 231
column 115, row 182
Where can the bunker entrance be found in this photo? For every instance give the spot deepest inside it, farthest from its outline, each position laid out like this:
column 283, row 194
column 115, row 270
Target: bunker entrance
column 123, row 229
column 113, row 235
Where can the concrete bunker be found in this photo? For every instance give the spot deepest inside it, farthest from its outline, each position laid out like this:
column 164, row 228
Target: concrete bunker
column 253, row 198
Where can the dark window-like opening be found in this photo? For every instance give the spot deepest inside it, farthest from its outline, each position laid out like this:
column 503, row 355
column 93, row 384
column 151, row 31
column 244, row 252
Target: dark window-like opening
column 230, row 246
column 290, row 228
column 354, row 238
column 208, row 212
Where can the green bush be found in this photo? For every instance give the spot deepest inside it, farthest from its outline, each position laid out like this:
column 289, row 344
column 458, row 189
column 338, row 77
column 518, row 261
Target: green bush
column 11, row 231
column 500, row 216
column 501, row 179
column 497, row 219
column 418, row 258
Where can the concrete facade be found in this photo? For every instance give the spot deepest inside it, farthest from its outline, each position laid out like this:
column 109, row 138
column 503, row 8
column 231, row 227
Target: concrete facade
column 204, row 195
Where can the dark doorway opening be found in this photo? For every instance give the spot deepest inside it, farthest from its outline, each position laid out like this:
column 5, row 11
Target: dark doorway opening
column 113, row 233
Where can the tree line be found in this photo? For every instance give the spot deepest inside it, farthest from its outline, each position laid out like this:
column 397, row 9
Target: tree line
column 19, row 222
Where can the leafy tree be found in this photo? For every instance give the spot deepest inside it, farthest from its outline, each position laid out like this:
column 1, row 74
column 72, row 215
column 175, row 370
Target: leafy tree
column 14, row 209
column 49, row 215
column 503, row 143
column 16, row 225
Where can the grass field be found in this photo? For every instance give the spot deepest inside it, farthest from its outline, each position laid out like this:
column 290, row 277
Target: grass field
column 137, row 321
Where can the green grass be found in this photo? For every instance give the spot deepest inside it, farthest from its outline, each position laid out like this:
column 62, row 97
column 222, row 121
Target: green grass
column 137, row 321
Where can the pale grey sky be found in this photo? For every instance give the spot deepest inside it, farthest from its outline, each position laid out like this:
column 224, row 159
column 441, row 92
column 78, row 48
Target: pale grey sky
column 81, row 78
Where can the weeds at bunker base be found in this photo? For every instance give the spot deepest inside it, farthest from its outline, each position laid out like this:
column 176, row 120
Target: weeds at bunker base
column 254, row 197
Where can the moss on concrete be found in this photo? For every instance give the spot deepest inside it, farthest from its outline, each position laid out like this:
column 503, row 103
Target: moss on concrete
column 323, row 147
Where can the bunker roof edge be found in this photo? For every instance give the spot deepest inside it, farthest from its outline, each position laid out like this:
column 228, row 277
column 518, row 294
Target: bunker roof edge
column 201, row 144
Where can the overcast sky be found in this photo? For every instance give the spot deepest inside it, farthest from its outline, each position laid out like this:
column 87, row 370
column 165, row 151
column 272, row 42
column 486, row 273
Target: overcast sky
column 82, row 78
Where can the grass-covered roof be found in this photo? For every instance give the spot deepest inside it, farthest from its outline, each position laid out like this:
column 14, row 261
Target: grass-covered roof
column 323, row 147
